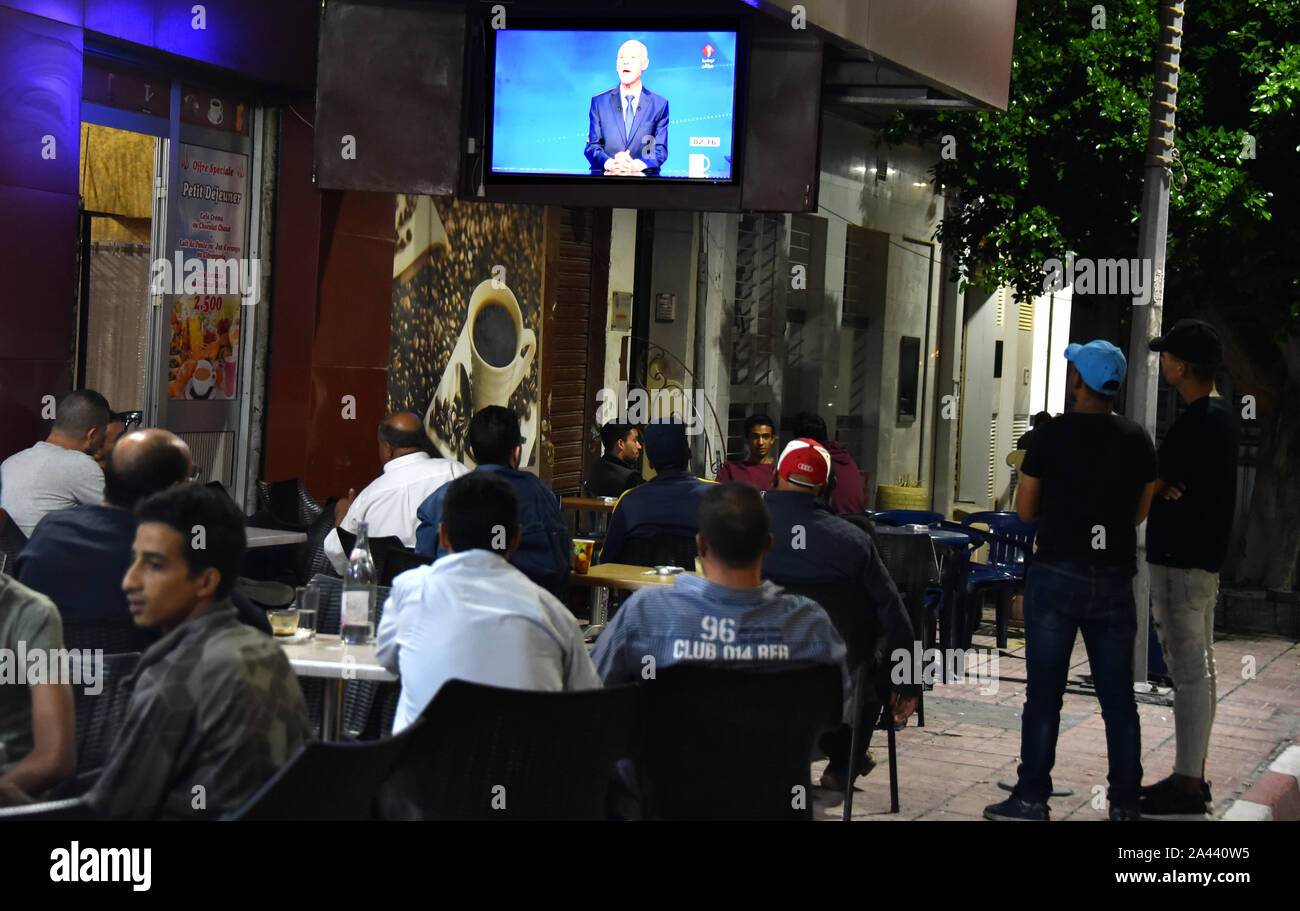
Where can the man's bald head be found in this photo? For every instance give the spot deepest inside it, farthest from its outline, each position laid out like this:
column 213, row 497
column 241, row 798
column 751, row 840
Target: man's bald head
column 401, row 433
column 635, row 47
column 143, row 463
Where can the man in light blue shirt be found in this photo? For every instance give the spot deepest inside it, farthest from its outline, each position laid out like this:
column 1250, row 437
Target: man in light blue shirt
column 731, row 616
column 473, row 616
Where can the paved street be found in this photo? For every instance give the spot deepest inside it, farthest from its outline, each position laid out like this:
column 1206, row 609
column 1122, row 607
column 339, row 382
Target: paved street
column 950, row 768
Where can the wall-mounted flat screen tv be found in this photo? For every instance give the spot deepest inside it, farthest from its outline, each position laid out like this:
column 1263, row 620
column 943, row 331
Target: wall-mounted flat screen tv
column 613, row 105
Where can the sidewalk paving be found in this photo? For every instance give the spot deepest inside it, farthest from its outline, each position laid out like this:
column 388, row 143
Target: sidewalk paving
column 950, row 768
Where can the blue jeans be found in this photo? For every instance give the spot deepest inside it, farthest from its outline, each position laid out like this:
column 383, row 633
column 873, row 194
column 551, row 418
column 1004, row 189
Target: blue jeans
column 1060, row 600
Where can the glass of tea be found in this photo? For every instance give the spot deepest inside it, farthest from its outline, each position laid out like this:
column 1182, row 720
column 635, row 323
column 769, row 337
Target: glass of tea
column 284, row 621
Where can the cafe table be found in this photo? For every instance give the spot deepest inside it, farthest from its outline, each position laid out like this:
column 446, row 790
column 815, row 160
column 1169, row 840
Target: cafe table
column 620, row 576
column 272, row 537
column 328, row 658
column 590, row 515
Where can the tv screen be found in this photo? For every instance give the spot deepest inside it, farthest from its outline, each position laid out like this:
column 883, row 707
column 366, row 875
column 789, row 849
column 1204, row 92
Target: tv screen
column 613, row 105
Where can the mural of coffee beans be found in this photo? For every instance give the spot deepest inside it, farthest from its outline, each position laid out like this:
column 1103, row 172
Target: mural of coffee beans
column 466, row 316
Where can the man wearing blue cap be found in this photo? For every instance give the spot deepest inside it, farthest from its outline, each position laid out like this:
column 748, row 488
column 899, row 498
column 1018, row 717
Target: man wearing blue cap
column 1187, row 541
column 1088, row 480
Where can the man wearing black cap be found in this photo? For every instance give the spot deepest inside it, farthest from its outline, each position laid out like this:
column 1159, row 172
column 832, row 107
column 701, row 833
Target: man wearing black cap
column 1187, row 540
column 1088, row 479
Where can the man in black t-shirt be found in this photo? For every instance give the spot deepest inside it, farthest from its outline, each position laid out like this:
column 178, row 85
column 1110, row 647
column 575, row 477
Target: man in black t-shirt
column 1088, row 479
column 1028, row 436
column 1187, row 540
column 619, row 469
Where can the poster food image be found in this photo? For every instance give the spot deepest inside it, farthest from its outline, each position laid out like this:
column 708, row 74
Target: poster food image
column 201, row 356
column 466, row 318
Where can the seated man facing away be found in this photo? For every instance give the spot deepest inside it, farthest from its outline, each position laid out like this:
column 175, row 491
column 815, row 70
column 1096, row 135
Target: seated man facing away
column 473, row 616
column 544, row 553
column 215, row 709
column 389, row 502
column 760, row 625
column 666, row 505
column 97, row 539
column 756, row 469
column 812, row 546
column 59, row 471
column 38, row 745
column 844, row 492
column 619, row 469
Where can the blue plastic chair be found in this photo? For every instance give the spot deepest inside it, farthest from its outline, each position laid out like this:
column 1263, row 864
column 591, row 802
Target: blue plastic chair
column 1011, row 547
column 900, row 517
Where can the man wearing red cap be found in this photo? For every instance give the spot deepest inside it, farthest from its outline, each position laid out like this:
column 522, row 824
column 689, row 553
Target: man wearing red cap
column 813, row 546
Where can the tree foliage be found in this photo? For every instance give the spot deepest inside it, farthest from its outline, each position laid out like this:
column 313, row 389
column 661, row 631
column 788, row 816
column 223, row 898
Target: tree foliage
column 1062, row 171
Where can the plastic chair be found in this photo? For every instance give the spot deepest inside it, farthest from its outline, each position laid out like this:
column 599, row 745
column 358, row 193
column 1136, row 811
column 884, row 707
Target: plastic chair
column 328, row 781
column 73, row 809
column 12, row 542
column 310, row 558
column 907, row 517
column 855, row 620
column 727, row 743
column 1010, row 540
column 289, row 501
column 485, row 752
column 99, row 717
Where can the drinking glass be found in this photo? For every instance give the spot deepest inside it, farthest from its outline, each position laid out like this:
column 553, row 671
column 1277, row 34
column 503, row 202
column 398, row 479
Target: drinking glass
column 308, row 604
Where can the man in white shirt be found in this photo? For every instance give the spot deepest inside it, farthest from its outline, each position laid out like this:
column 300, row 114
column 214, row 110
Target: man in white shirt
column 472, row 616
column 388, row 503
column 60, row 471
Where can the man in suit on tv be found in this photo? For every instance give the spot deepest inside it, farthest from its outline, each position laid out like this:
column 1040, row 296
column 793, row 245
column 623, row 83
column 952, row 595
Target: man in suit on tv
column 628, row 132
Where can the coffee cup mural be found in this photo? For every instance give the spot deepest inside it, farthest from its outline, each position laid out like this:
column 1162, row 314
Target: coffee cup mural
column 501, row 348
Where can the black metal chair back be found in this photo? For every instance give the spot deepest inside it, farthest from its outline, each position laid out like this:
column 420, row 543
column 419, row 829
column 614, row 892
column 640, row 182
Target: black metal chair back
column 398, row 560
column 485, row 752
column 72, row 809
column 328, row 781
column 114, row 637
column 850, row 611
column 856, row 621
column 726, row 743
column 659, row 550
column 12, row 542
column 289, row 501
column 380, row 548
column 100, row 716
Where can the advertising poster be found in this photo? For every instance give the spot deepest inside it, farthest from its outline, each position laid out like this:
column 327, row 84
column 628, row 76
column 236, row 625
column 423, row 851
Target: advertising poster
column 466, row 318
column 213, row 216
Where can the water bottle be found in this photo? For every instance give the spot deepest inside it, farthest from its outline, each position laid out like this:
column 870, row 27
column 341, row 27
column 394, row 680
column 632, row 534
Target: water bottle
column 357, row 616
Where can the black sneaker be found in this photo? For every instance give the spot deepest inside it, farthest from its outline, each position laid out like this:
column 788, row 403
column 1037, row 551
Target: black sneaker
column 1013, row 809
column 1165, row 800
column 1124, row 814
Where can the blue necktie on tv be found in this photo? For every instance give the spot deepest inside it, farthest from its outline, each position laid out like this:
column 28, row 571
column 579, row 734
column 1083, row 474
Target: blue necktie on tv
column 627, row 117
